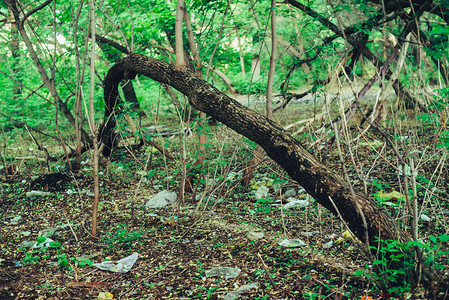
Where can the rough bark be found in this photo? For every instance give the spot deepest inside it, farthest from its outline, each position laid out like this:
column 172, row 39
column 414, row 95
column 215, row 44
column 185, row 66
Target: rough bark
column 15, row 53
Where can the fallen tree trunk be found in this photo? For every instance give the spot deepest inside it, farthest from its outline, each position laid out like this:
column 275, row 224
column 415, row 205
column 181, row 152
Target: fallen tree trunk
column 330, row 190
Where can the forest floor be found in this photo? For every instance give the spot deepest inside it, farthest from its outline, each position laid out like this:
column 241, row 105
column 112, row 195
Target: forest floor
column 47, row 252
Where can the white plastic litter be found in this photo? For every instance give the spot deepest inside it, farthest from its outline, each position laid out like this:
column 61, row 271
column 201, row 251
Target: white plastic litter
column 296, row 203
column 121, row 266
column 45, row 243
column 424, row 218
column 37, row 193
column 223, row 272
column 255, row 235
column 162, row 199
column 292, row 243
column 262, row 192
column 290, row 192
column 328, row 244
column 243, row 289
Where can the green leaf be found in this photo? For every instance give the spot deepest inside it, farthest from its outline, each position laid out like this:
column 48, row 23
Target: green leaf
column 41, row 239
column 377, row 262
column 433, row 239
column 55, row 244
column 444, row 238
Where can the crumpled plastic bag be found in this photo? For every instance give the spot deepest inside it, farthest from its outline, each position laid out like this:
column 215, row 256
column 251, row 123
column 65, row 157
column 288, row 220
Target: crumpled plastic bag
column 243, row 289
column 162, row 199
column 121, row 266
column 293, row 243
column 225, row 272
column 294, row 203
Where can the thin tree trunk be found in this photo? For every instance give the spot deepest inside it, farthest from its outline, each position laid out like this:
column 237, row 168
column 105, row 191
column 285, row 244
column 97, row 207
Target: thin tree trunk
column 242, row 59
column 260, row 153
column 79, row 88
column 304, row 66
column 272, row 60
column 226, row 80
column 93, row 130
column 179, row 49
column 15, row 52
column 187, row 184
column 255, row 67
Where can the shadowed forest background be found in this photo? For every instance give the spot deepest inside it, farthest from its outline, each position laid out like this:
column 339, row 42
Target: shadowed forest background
column 224, row 149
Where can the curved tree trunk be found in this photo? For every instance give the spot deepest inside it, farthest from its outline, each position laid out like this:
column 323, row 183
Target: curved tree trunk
column 330, row 190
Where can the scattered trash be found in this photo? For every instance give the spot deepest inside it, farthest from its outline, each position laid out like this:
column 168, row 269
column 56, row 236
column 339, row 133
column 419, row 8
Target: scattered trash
column 293, row 243
column 255, row 235
column 69, row 192
column 310, row 233
column 27, row 244
column 13, row 221
column 392, row 196
column 372, row 144
column 225, row 272
column 45, row 243
column 243, row 289
column 234, row 176
column 444, row 212
column 162, row 199
column 105, row 296
column 424, row 218
column 262, row 192
column 171, row 221
column 294, row 203
column 48, row 232
column 345, row 236
column 26, row 233
column 328, row 244
column 36, row 193
column 290, row 192
column 332, row 236
column 121, row 266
